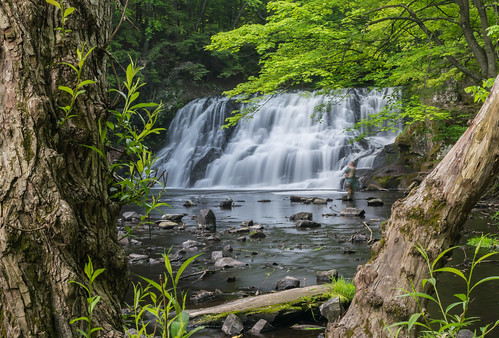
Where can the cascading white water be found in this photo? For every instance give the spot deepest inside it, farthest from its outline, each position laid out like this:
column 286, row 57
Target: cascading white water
column 280, row 147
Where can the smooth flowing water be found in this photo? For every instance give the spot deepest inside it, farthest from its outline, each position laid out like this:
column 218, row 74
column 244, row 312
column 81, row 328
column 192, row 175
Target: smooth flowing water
column 281, row 146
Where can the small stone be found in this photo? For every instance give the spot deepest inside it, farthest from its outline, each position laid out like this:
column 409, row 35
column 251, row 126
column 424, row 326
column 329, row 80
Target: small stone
column 228, row 262
column 190, row 244
column 332, row 309
column 319, row 201
column 242, row 239
column 215, row 255
column 261, row 326
column 232, row 325
column 227, row 204
column 130, row 216
column 358, row 238
column 347, row 198
column 177, row 218
column 202, row 296
column 207, row 220
column 326, row 276
column 247, row 223
column 352, row 212
column 307, row 224
column 264, row 201
column 256, row 227
column 257, row 235
column 189, row 204
column 301, row 216
column 230, row 279
column 287, row 283
column 375, row 202
column 167, row 225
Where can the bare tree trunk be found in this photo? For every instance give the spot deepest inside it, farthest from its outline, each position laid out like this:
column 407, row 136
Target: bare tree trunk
column 54, row 205
column 432, row 215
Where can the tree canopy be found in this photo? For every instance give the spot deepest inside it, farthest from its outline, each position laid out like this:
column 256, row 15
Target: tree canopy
column 338, row 43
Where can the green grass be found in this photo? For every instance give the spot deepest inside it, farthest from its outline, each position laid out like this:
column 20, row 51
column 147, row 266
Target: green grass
column 343, row 288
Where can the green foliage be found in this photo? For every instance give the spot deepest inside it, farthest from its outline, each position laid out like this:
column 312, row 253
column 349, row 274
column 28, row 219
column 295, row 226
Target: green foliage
column 77, row 90
column 450, row 323
column 343, row 288
column 132, row 172
column 66, row 12
column 486, row 241
column 480, row 93
column 91, row 300
column 164, row 302
column 340, row 44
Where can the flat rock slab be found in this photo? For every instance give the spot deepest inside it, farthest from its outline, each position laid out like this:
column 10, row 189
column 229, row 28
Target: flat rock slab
column 256, row 302
column 352, row 212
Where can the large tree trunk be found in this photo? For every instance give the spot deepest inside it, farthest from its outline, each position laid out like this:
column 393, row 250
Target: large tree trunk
column 432, row 215
column 54, row 208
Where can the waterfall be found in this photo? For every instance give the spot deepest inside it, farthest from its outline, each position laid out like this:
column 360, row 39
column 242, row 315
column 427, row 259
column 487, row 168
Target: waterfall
column 280, row 147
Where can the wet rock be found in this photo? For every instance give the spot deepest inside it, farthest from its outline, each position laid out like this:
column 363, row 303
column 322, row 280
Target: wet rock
column 137, row 258
column 261, row 326
column 326, row 276
column 264, row 201
column 257, row 235
column 177, row 256
column 352, row 212
column 296, row 199
column 241, row 239
column 287, row 283
column 347, row 198
column 227, row 250
column 167, row 225
column 177, row 218
column 228, row 262
column 240, row 230
column 131, row 216
column 319, row 201
column 302, row 224
column 227, row 204
column 256, row 227
column 202, row 296
column 375, row 202
column 247, row 223
column 332, row 309
column 232, row 325
column 189, row 204
column 191, row 243
column 216, row 255
column 214, row 238
column 133, row 333
column 207, row 220
column 230, row 279
column 301, row 216
column 358, row 238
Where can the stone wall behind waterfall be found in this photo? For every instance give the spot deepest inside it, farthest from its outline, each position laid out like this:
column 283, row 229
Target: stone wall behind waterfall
column 280, row 147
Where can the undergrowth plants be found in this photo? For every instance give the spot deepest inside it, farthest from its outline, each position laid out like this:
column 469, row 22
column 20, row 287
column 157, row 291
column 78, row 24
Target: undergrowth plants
column 164, row 302
column 451, row 318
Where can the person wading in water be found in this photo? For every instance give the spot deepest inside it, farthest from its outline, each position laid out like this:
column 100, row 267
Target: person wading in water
column 350, row 179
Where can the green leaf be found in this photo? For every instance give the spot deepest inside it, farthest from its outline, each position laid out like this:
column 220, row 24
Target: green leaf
column 144, row 105
column 441, row 255
column 70, row 65
column 79, row 319
column 97, row 150
column 68, row 11
column 184, row 266
column 55, row 3
column 413, row 320
column 487, row 279
column 86, row 82
column 66, row 89
column 453, row 271
column 461, row 296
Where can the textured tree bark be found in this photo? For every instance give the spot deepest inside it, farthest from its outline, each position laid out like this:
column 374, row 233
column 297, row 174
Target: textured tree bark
column 432, row 215
column 54, row 205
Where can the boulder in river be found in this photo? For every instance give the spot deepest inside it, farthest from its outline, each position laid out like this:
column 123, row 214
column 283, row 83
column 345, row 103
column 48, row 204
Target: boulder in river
column 228, row 262
column 202, row 296
column 177, row 218
column 287, row 283
column 233, row 326
column 189, row 204
column 261, row 326
column 332, row 309
column 131, row 216
column 326, row 276
column 207, row 220
column 247, row 223
column 167, row 225
column 352, row 212
column 318, row 200
column 301, row 216
column 375, row 202
column 257, row 235
column 227, row 203
column 303, row 224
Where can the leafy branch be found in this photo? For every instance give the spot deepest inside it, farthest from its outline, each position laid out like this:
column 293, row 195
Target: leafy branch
column 66, row 12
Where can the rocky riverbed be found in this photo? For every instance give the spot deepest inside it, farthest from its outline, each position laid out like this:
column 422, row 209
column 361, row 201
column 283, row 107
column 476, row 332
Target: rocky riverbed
column 258, row 240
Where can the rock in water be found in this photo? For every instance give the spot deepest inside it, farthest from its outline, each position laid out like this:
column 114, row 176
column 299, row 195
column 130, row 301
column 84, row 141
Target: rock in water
column 352, row 212
column 301, row 216
column 177, row 218
column 207, row 220
column 375, row 202
column 287, row 283
column 326, row 276
column 332, row 309
column 261, row 326
column 227, row 204
column 232, row 325
column 228, row 262
column 302, row 224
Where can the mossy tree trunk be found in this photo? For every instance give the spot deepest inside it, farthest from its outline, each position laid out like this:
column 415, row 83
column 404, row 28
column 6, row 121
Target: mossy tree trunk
column 55, row 211
column 432, row 215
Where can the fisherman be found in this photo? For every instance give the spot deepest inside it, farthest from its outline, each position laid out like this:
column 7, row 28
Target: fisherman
column 350, row 179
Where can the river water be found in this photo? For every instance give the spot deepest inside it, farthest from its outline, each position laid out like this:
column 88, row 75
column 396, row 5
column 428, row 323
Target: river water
column 286, row 250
